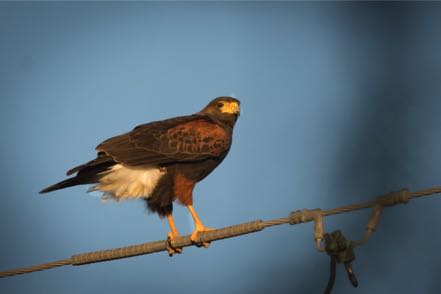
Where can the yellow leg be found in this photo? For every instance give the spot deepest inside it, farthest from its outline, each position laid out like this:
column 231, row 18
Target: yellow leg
column 172, row 235
column 199, row 226
column 174, row 232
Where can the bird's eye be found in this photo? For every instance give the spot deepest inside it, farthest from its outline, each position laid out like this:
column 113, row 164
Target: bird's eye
column 220, row 105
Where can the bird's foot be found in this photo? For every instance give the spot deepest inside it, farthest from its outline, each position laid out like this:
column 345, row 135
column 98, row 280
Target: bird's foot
column 195, row 235
column 170, row 248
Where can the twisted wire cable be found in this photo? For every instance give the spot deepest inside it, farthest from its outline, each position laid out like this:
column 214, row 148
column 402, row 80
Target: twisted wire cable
column 296, row 217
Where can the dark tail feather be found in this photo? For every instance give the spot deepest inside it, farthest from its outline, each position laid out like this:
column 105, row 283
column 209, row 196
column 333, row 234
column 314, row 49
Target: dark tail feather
column 87, row 173
column 69, row 183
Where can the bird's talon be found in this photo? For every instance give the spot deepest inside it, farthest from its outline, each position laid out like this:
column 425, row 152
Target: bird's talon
column 170, row 248
column 195, row 237
column 203, row 244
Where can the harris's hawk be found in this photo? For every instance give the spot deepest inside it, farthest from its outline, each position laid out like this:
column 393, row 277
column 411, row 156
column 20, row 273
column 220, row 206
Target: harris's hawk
column 161, row 161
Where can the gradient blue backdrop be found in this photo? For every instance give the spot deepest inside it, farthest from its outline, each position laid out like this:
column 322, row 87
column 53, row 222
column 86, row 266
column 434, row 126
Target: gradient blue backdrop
column 340, row 103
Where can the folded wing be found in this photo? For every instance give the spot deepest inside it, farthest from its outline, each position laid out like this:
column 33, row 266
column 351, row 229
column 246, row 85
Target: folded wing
column 181, row 139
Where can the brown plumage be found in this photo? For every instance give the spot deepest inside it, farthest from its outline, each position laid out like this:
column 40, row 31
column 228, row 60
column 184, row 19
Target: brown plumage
column 161, row 161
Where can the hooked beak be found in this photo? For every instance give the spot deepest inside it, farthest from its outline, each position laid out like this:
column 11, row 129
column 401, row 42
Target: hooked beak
column 232, row 107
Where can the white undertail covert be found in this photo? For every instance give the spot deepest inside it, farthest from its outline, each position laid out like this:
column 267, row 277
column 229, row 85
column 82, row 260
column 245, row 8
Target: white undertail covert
column 123, row 183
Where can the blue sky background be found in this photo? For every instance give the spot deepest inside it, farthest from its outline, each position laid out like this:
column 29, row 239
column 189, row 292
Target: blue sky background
column 340, row 103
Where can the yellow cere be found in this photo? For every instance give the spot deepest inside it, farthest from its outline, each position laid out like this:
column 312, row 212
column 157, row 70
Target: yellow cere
column 231, row 107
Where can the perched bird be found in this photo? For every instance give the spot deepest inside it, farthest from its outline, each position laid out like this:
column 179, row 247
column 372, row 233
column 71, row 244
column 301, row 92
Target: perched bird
column 161, row 161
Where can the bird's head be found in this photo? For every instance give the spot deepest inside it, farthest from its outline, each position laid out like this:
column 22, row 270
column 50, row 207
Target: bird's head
column 224, row 109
